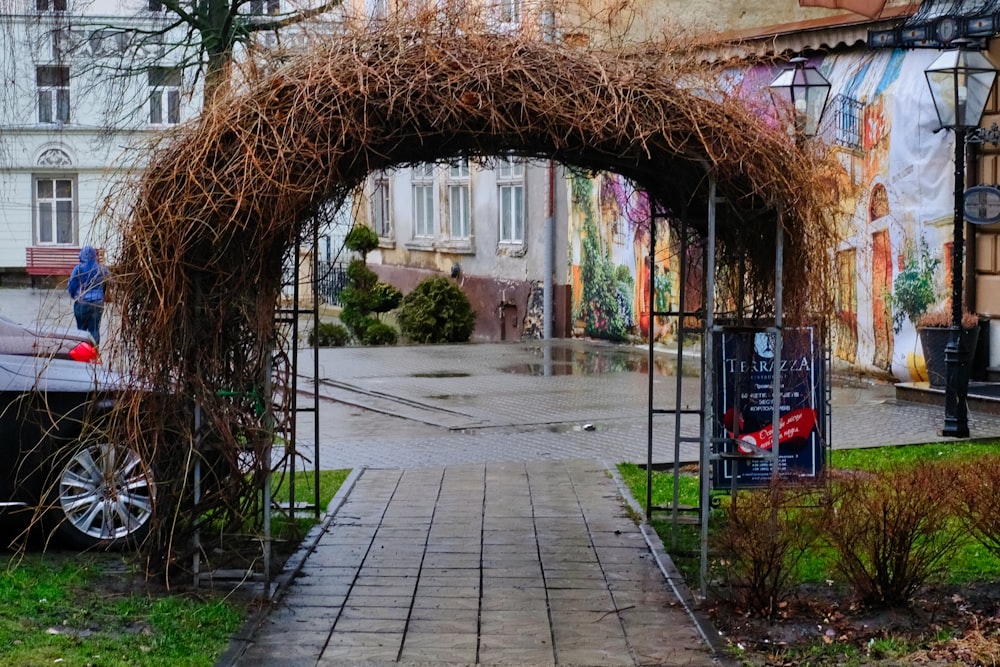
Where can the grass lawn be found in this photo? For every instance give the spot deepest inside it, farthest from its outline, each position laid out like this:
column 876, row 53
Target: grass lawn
column 72, row 609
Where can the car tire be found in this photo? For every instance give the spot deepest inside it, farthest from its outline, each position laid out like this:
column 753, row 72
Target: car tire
column 104, row 496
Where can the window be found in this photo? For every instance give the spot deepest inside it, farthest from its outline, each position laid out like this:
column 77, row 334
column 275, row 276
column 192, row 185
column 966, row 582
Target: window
column 164, row 95
column 510, row 181
column 50, row 5
column 377, row 9
column 53, row 94
column 458, row 199
column 260, row 7
column 381, row 212
column 423, row 200
column 510, row 11
column 54, row 210
column 156, row 6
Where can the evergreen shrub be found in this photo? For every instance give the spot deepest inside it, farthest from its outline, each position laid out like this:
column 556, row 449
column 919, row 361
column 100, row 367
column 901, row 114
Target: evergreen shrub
column 329, row 334
column 436, row 311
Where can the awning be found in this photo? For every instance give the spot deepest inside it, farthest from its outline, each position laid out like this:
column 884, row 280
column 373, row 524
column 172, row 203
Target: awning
column 937, row 23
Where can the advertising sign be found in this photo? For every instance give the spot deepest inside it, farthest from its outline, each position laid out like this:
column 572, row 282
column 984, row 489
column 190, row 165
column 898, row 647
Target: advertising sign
column 743, row 399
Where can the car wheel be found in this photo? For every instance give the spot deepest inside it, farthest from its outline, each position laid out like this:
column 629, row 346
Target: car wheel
column 104, row 496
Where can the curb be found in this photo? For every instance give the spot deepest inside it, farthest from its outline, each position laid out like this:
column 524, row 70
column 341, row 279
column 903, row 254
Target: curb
column 243, row 637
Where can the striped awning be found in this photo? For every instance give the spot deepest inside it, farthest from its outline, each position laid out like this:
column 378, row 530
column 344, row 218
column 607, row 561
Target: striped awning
column 939, row 22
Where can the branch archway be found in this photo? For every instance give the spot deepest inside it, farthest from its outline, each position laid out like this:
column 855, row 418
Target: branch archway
column 220, row 204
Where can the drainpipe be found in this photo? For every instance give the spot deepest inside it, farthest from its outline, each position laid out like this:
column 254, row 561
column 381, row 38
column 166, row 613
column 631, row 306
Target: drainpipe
column 549, row 262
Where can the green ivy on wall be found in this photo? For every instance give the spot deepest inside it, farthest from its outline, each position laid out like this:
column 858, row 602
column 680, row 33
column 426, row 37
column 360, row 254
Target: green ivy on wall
column 606, row 306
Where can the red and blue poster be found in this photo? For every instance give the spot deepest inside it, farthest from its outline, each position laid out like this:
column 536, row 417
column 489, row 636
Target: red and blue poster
column 744, row 400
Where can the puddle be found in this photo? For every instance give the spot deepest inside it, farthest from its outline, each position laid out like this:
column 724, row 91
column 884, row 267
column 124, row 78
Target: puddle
column 574, row 361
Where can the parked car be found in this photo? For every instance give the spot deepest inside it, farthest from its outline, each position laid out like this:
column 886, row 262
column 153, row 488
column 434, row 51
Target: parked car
column 55, row 397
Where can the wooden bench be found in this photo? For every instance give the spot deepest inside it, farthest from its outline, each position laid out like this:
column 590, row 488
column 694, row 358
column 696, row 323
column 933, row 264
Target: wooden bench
column 51, row 260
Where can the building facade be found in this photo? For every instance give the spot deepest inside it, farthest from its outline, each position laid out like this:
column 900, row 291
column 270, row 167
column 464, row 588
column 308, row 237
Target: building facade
column 82, row 100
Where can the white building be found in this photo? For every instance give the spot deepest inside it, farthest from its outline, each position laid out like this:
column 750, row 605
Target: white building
column 83, row 93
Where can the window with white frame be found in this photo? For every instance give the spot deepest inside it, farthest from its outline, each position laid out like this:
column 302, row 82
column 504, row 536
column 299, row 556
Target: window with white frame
column 381, row 211
column 53, row 94
column 260, row 7
column 50, row 5
column 510, row 184
column 509, row 11
column 55, row 206
column 423, row 200
column 459, row 209
column 165, row 95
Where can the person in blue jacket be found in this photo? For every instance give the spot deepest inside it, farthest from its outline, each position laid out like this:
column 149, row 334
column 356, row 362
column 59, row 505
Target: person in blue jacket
column 87, row 283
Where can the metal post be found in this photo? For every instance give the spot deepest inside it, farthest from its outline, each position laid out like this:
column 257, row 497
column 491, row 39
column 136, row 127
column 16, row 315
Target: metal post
column 779, row 262
column 956, row 358
column 708, row 400
column 649, row 375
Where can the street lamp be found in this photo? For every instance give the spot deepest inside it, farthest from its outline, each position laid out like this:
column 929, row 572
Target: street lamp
column 804, row 90
column 960, row 81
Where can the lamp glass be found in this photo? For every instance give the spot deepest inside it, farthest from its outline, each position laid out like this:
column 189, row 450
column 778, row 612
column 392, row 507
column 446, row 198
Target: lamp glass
column 802, row 90
column 960, row 82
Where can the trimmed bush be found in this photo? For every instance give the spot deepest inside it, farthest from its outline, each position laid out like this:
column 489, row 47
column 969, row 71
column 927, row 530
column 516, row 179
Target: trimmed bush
column 890, row 530
column 378, row 333
column 329, row 334
column 761, row 544
column 436, row 311
column 977, row 496
column 362, row 240
column 366, row 297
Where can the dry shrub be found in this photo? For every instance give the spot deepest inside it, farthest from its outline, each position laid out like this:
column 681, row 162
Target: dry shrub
column 890, row 530
column 977, row 500
column 761, row 544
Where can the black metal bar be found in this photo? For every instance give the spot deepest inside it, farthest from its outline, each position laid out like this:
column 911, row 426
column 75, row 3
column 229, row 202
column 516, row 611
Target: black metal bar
column 956, row 408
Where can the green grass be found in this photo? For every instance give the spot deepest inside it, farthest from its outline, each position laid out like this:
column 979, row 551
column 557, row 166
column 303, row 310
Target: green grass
column 305, row 485
column 55, row 610
column 71, row 609
column 972, row 563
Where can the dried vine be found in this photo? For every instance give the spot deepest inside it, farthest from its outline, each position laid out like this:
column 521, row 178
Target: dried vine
column 205, row 227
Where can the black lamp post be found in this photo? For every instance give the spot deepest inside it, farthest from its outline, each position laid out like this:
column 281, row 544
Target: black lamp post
column 802, row 90
column 960, row 81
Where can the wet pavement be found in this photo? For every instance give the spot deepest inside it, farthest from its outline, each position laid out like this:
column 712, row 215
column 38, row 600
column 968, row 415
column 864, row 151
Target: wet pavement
column 483, row 521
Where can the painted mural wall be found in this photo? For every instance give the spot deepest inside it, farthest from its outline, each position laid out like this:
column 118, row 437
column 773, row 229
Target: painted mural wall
column 880, row 125
column 611, row 271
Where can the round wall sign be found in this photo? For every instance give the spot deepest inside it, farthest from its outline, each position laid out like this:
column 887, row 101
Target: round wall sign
column 982, row 205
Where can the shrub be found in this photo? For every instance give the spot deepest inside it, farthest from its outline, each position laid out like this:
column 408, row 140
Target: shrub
column 977, row 500
column 890, row 530
column 366, row 297
column 362, row 240
column 329, row 334
column 436, row 311
column 765, row 534
column 378, row 333
column 942, row 319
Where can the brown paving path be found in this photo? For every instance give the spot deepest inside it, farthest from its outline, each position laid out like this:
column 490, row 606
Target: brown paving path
column 490, row 564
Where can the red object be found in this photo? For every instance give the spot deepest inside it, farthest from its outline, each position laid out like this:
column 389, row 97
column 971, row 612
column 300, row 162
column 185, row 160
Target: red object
column 796, row 425
column 85, row 352
column 870, row 8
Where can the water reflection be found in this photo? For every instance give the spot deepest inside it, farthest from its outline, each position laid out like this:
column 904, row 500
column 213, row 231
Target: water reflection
column 565, row 360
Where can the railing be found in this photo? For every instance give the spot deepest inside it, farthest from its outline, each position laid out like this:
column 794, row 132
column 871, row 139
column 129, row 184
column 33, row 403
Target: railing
column 331, row 278
column 843, row 121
